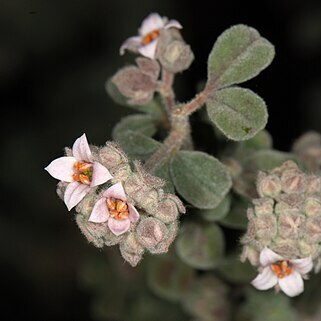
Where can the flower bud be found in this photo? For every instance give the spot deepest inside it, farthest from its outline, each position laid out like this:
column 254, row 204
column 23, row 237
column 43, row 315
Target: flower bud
column 293, row 181
column 250, row 253
column 263, row 206
column 268, row 185
column 131, row 250
column 313, row 229
column 169, row 208
column 312, row 206
column 149, row 67
column 266, row 228
column 313, row 185
column 150, row 232
column 135, row 85
column 290, row 224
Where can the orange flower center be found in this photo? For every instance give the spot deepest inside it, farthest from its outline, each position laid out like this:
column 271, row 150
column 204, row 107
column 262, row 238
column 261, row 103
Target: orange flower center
column 83, row 172
column 150, row 36
column 282, row 269
column 117, row 208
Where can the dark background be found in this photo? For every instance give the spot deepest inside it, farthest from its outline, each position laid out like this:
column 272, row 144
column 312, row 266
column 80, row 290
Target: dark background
column 55, row 57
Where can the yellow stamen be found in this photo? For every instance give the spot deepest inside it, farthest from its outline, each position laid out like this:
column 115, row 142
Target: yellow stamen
column 150, row 36
column 118, row 209
column 282, row 269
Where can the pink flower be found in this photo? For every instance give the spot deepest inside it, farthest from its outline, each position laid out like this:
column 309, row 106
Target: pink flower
column 146, row 41
column 80, row 171
column 282, row 273
column 114, row 208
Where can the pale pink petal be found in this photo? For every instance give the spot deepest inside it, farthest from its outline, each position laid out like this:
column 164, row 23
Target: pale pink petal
column 62, row 168
column 265, row 280
column 131, row 43
column 153, row 22
column 116, row 191
column 100, row 175
column 81, row 149
column 133, row 213
column 149, row 50
column 100, row 212
column 292, row 285
column 173, row 24
column 74, row 193
column 118, row 227
column 268, row 257
column 303, row 266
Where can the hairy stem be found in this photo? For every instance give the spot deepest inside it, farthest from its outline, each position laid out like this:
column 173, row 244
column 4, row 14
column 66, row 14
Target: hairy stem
column 180, row 130
column 166, row 91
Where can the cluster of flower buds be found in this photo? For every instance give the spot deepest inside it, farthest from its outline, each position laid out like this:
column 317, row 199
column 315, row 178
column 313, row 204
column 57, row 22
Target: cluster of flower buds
column 161, row 44
column 116, row 203
column 284, row 230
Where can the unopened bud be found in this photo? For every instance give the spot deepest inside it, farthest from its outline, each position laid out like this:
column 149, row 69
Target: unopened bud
column 293, row 181
column 312, row 206
column 131, row 250
column 263, row 206
column 150, row 232
column 149, row 67
column 169, row 208
column 313, row 229
column 266, row 228
column 290, row 224
column 313, row 185
column 268, row 185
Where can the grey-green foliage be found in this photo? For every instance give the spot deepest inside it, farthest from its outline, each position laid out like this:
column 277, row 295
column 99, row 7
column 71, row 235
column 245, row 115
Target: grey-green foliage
column 239, row 54
column 200, row 178
column 168, row 277
column 266, row 306
column 219, row 212
column 239, row 113
column 200, row 246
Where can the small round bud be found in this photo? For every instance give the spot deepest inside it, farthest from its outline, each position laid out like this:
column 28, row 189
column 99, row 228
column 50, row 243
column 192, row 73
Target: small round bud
column 293, row 181
column 312, row 206
column 112, row 156
column 313, row 185
column 263, row 206
column 290, row 224
column 169, row 208
column 252, row 254
column 269, row 186
column 266, row 228
column 150, row 232
column 131, row 250
column 313, row 230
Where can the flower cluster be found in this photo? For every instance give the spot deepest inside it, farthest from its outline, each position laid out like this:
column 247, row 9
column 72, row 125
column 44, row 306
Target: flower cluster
column 284, row 231
column 115, row 204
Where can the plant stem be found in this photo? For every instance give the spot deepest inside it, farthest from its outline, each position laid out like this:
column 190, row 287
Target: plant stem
column 180, row 130
column 166, row 91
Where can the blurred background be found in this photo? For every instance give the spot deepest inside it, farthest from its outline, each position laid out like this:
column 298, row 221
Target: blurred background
column 55, row 57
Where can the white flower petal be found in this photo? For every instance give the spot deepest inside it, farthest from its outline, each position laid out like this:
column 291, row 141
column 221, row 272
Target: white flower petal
column 81, row 149
column 265, row 280
column 131, row 43
column 118, row 227
column 100, row 175
column 173, row 24
column 116, row 191
column 133, row 213
column 74, row 193
column 100, row 212
column 62, row 168
column 153, row 22
column 149, row 50
column 303, row 266
column 268, row 257
column 292, row 285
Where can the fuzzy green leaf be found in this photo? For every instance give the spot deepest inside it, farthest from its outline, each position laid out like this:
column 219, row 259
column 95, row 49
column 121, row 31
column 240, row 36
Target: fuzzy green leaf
column 239, row 113
column 154, row 107
column 200, row 178
column 137, row 145
column 239, row 54
column 236, row 217
column 162, row 171
column 233, row 270
column 200, row 246
column 168, row 277
column 218, row 212
column 140, row 123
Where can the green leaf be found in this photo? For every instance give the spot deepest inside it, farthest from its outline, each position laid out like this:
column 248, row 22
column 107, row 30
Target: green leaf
column 239, row 113
column 200, row 246
column 137, row 145
column 162, row 171
column 236, row 218
column 140, row 123
column 266, row 306
column 234, row 271
column 200, row 178
column 218, row 212
column 168, row 277
column 154, row 107
column 239, row 54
